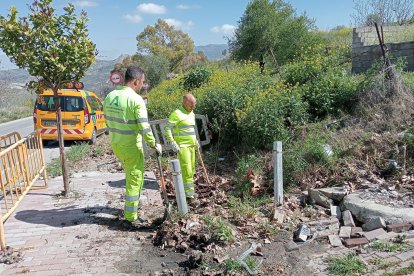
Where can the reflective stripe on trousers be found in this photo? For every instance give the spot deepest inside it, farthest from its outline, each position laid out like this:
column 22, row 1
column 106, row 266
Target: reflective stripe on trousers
column 132, row 159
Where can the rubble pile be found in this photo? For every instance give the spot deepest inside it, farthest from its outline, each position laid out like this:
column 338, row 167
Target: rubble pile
column 357, row 219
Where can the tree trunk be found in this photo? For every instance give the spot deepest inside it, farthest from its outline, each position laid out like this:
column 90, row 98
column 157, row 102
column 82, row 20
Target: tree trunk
column 61, row 143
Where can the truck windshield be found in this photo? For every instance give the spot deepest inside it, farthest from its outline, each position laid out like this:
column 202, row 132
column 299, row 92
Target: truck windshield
column 67, row 103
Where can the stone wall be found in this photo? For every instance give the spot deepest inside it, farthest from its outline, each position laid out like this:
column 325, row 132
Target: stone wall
column 366, row 51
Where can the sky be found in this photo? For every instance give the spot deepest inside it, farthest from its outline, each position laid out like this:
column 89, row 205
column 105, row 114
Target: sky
column 114, row 25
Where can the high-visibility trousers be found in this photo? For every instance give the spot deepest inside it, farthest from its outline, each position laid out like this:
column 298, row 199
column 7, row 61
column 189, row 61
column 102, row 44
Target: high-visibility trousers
column 132, row 159
column 186, row 156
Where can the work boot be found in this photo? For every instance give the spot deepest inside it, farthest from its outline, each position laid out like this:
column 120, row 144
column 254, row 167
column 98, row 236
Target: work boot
column 193, row 202
column 141, row 222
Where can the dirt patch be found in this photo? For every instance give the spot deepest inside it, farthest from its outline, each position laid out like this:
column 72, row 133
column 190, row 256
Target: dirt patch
column 10, row 256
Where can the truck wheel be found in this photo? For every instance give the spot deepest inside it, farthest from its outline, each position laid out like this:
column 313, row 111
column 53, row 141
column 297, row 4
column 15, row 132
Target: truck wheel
column 93, row 138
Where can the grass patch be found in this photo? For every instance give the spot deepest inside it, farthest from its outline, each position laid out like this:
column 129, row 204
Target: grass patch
column 55, row 168
column 78, row 152
column 402, row 271
column 251, row 263
column 219, row 229
column 233, row 265
column 98, row 150
column 390, row 247
column 7, row 115
column 346, row 265
column 240, row 207
column 381, row 264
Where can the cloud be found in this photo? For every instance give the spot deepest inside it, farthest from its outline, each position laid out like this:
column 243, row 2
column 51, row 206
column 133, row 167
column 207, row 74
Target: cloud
column 187, row 7
column 184, row 26
column 225, row 29
column 86, row 4
column 183, row 7
column 133, row 18
column 151, row 8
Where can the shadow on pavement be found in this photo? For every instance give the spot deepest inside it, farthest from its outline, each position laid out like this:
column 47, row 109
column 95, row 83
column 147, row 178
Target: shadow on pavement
column 149, row 183
column 70, row 216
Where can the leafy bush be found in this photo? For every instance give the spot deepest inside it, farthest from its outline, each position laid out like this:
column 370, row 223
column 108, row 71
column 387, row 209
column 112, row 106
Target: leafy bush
column 196, row 78
column 268, row 117
column 332, row 92
column 304, row 154
column 324, row 82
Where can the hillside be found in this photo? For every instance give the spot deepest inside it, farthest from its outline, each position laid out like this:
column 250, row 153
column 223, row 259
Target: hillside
column 212, row 51
column 13, row 82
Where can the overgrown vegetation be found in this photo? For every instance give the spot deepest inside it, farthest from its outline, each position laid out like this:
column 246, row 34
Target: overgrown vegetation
column 349, row 264
column 402, row 271
column 219, row 229
column 76, row 153
column 391, row 247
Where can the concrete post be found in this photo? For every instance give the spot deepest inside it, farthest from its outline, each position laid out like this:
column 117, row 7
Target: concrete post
column 179, row 187
column 278, row 172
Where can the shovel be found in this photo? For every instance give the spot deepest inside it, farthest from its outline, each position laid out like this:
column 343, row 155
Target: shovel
column 167, row 205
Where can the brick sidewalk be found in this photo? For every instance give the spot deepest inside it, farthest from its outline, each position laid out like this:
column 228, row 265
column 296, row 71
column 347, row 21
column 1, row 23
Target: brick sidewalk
column 76, row 235
column 378, row 262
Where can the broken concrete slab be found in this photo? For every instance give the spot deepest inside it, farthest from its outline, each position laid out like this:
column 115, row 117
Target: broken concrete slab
column 387, row 236
column 345, row 232
column 334, row 240
column 326, row 230
column 364, row 210
column 279, row 216
column 374, row 234
column 374, row 223
column 347, row 217
column 324, row 222
column 355, row 242
column 336, row 212
column 335, row 193
column 356, row 232
column 399, row 227
column 319, row 198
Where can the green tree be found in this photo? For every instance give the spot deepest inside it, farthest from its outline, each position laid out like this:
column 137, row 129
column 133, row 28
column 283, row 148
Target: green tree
column 164, row 40
column 53, row 47
column 272, row 29
column 155, row 67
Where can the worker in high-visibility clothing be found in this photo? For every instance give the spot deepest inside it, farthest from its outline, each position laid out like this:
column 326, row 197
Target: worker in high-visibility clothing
column 180, row 132
column 127, row 121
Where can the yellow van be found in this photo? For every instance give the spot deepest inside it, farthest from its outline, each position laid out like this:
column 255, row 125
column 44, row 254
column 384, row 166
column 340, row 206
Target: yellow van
column 82, row 115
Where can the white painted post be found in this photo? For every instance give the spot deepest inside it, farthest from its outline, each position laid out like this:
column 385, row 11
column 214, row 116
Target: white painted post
column 179, row 187
column 278, row 172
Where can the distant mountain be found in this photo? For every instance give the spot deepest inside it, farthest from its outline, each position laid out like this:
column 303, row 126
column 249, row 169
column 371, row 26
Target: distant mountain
column 12, row 82
column 5, row 63
column 212, row 51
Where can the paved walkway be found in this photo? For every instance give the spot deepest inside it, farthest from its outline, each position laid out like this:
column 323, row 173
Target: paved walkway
column 80, row 234
column 379, row 262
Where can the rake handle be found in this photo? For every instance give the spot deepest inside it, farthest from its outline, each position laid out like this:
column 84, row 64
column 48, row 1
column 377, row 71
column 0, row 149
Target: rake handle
column 202, row 164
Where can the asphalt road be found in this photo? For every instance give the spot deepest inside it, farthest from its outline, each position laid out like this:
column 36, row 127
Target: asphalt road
column 25, row 127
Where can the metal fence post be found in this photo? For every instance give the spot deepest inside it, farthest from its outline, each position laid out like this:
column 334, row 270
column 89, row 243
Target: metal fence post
column 278, row 172
column 179, row 187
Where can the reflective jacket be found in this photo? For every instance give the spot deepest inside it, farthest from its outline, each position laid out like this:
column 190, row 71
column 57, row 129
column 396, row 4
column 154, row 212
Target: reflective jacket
column 126, row 118
column 181, row 128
